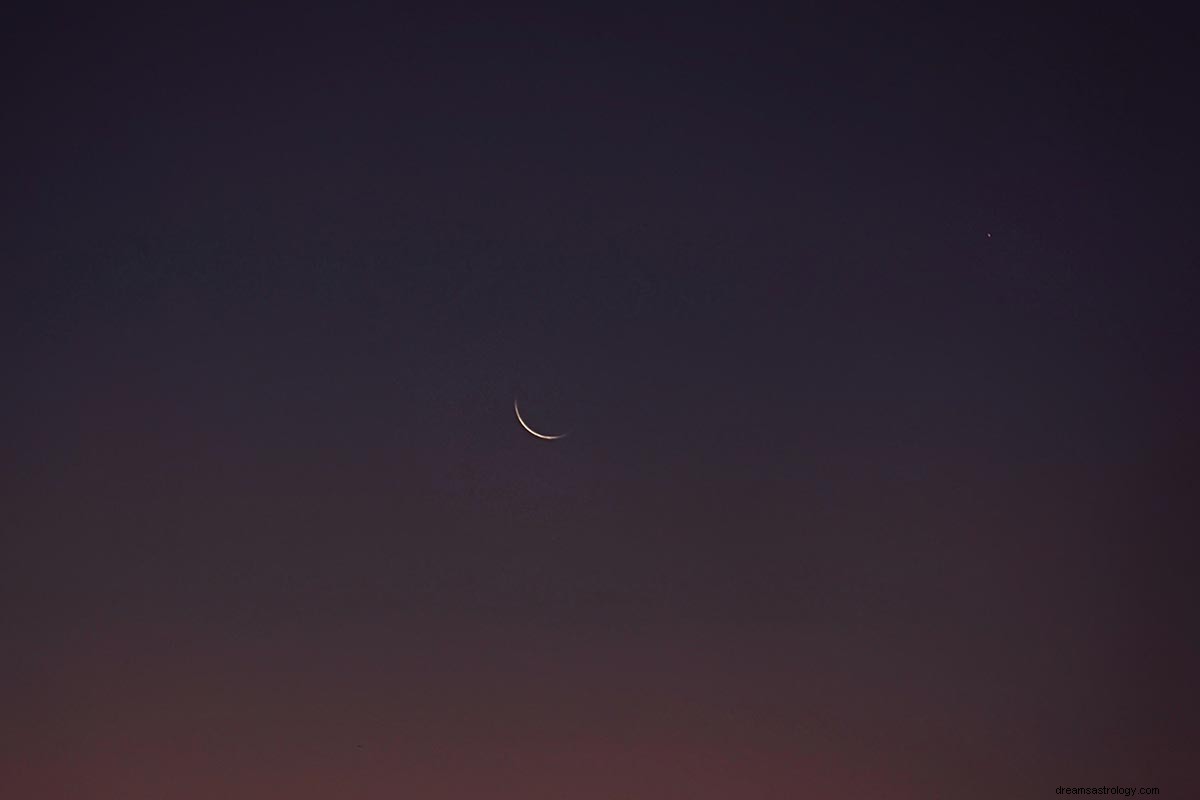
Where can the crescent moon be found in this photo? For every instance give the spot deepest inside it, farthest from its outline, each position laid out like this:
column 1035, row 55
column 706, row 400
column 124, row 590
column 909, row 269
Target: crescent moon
column 531, row 430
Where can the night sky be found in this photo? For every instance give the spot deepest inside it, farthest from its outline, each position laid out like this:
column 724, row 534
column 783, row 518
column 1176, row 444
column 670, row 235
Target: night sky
column 875, row 334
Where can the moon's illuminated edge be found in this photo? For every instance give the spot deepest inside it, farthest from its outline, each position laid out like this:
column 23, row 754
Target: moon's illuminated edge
column 531, row 430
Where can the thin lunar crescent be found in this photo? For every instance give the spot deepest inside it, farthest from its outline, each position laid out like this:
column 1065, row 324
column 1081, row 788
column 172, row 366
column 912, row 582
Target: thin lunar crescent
column 531, row 430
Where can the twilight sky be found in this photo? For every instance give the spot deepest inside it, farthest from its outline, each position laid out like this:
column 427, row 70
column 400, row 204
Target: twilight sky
column 875, row 332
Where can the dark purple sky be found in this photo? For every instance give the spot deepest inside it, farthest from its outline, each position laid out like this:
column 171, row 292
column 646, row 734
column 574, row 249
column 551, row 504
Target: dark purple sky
column 875, row 332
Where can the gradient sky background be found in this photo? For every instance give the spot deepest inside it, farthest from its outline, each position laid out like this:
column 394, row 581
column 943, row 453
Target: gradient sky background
column 876, row 333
